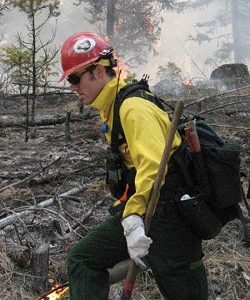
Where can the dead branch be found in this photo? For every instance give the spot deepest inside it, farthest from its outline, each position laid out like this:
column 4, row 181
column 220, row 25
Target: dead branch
column 85, row 216
column 57, row 215
column 75, row 199
column 222, row 106
column 14, row 216
column 54, row 120
column 54, row 290
column 27, row 179
column 51, row 177
column 226, row 94
column 41, row 94
column 59, row 175
column 229, row 126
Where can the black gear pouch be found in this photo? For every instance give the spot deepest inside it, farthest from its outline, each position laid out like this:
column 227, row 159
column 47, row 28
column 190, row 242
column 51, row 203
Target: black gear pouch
column 115, row 175
column 118, row 177
column 199, row 217
column 222, row 165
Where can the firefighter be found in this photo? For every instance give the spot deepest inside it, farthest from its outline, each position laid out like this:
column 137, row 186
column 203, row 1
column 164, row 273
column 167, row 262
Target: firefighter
column 170, row 249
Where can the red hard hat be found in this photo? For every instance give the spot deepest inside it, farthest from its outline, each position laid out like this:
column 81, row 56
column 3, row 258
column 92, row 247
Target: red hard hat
column 80, row 50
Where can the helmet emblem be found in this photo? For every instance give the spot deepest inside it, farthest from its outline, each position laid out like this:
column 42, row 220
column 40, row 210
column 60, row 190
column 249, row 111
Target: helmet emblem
column 84, row 45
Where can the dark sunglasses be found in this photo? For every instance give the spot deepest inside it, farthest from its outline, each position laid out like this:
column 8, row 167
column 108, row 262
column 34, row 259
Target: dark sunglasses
column 75, row 79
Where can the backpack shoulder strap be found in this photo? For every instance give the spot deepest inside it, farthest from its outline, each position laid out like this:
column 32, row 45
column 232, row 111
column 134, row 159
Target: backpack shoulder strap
column 137, row 89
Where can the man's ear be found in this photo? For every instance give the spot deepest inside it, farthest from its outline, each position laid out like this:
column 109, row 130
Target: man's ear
column 100, row 71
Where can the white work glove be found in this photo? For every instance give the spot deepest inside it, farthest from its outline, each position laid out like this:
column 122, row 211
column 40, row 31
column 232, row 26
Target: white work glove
column 137, row 242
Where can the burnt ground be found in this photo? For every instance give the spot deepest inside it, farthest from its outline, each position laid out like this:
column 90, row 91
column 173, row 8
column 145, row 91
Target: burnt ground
column 52, row 163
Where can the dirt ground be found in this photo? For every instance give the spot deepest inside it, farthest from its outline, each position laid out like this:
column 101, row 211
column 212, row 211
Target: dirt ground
column 52, row 163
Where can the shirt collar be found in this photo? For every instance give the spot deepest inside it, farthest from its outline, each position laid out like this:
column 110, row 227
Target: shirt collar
column 106, row 97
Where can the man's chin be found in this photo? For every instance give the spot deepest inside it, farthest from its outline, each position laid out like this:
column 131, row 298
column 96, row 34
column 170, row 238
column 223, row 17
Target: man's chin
column 83, row 100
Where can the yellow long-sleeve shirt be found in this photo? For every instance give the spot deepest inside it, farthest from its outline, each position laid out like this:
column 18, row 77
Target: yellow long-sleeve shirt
column 146, row 128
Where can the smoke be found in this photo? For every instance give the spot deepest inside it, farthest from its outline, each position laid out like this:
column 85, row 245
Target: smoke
column 174, row 45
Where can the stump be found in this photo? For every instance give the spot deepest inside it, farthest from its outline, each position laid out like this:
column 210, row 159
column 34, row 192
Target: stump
column 67, row 127
column 40, row 268
column 18, row 253
column 230, row 71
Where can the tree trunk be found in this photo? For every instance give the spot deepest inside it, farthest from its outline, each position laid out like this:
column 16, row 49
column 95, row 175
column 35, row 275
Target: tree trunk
column 241, row 30
column 110, row 22
column 235, row 31
column 33, row 68
column 27, row 120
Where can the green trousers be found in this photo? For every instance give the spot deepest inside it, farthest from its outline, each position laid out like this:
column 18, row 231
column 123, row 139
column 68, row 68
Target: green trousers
column 174, row 257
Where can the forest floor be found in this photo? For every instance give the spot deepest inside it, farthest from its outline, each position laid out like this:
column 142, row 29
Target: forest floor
column 51, row 163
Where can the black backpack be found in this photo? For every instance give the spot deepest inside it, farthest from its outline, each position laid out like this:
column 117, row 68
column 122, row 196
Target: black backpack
column 212, row 175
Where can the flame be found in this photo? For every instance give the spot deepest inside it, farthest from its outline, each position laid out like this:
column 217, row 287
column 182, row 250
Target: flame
column 187, row 83
column 57, row 294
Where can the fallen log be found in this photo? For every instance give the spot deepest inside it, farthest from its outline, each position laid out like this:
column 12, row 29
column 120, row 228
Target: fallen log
column 28, row 211
column 50, row 177
column 50, row 120
column 222, row 106
column 59, row 174
column 27, row 179
column 223, row 96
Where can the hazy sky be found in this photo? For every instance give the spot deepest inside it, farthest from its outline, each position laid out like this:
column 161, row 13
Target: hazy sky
column 173, row 44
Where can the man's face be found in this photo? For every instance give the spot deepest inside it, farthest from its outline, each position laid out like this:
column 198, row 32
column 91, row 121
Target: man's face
column 90, row 85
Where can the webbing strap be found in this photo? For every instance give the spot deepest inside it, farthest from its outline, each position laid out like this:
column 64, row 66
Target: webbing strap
column 178, row 157
column 131, row 90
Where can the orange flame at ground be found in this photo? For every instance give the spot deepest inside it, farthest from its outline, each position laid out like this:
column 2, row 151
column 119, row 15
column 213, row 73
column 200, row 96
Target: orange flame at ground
column 57, row 294
column 187, row 83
